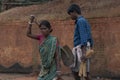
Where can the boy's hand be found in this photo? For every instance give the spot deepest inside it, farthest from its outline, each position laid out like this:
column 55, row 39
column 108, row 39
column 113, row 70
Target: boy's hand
column 83, row 58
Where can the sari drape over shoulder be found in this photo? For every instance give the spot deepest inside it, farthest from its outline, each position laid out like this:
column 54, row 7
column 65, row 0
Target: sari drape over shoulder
column 48, row 63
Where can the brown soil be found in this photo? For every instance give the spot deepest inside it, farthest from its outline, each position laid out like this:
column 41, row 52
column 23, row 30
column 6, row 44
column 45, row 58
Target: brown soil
column 26, row 77
column 57, row 10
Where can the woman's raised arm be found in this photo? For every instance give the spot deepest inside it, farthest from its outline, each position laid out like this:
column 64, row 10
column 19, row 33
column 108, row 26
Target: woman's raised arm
column 29, row 31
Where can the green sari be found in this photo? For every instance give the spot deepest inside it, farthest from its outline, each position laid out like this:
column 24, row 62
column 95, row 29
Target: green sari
column 48, row 63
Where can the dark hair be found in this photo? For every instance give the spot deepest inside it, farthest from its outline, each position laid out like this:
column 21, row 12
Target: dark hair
column 74, row 7
column 45, row 23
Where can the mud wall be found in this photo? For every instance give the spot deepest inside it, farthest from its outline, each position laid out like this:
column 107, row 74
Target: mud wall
column 19, row 53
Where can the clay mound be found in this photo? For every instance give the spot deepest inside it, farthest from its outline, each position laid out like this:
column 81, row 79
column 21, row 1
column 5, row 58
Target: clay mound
column 56, row 9
column 49, row 10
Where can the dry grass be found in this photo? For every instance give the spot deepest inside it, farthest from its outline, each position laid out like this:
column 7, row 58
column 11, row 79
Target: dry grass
column 104, row 13
column 45, row 11
column 57, row 10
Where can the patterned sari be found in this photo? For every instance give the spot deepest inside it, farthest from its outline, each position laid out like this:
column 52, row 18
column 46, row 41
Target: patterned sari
column 48, row 63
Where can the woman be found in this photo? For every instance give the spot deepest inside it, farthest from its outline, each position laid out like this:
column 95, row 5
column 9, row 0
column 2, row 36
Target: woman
column 48, row 49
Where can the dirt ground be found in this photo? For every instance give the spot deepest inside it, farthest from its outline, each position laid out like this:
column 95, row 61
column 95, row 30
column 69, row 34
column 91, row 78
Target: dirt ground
column 27, row 77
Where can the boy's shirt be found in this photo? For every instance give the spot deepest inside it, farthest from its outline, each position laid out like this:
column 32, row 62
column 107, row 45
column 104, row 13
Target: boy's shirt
column 82, row 33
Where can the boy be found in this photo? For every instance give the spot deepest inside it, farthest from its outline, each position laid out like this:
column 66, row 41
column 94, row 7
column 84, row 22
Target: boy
column 82, row 35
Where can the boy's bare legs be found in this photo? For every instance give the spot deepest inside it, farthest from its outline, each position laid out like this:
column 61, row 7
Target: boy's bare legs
column 88, row 76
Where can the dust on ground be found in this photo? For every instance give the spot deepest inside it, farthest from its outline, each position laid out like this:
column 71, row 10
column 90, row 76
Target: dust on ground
column 4, row 76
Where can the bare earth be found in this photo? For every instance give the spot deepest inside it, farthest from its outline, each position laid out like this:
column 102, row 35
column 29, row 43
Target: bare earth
column 27, row 77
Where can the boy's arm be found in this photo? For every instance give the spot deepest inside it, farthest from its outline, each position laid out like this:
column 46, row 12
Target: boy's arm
column 83, row 36
column 81, row 24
